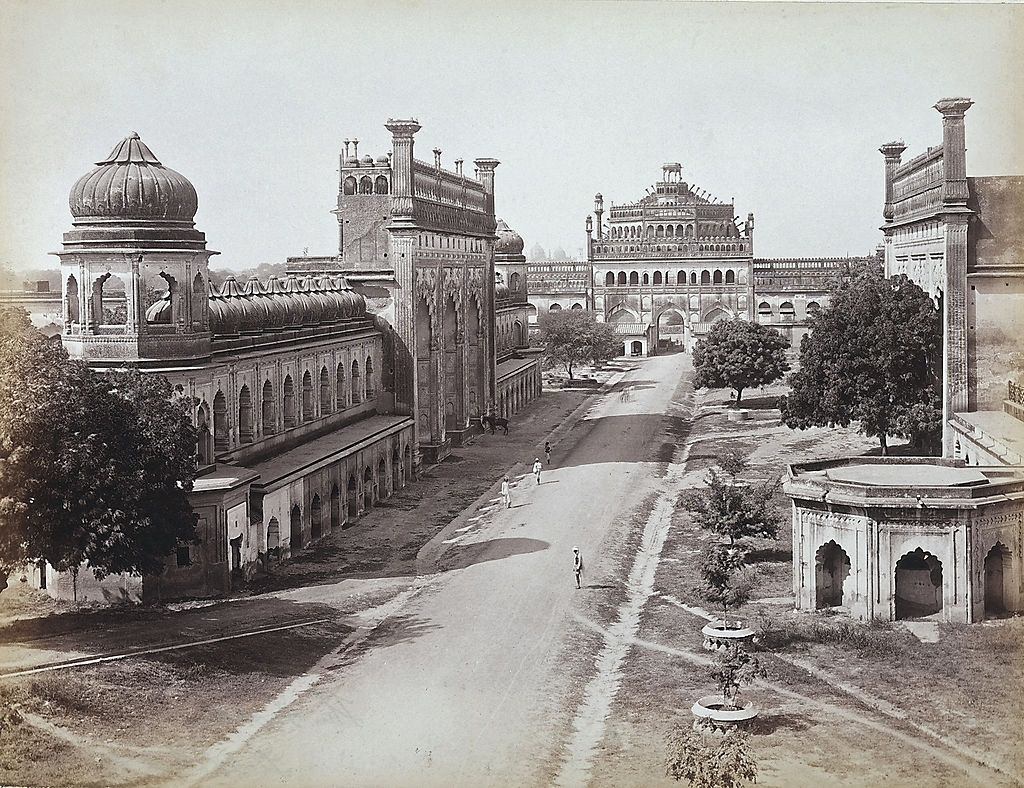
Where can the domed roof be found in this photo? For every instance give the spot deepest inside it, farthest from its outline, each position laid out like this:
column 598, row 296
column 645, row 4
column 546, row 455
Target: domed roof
column 366, row 160
column 509, row 241
column 131, row 183
column 385, row 159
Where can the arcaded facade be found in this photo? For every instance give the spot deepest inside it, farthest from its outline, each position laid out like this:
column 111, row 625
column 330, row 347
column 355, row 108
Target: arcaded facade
column 669, row 265
column 297, row 435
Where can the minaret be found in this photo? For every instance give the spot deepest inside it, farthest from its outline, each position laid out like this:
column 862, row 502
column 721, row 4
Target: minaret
column 599, row 212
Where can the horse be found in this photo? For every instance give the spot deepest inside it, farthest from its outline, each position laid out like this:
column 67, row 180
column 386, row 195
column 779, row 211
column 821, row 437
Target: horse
column 495, row 421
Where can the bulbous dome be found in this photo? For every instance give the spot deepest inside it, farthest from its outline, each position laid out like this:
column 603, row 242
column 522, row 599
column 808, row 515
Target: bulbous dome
column 383, row 159
column 509, row 241
column 131, row 183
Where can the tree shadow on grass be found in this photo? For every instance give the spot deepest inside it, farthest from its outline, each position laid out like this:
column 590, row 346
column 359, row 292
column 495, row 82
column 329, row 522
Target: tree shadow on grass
column 463, row 556
column 769, row 555
column 769, row 723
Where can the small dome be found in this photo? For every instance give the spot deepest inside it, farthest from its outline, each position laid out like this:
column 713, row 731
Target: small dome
column 384, row 160
column 366, row 160
column 352, row 161
column 509, row 241
column 131, row 183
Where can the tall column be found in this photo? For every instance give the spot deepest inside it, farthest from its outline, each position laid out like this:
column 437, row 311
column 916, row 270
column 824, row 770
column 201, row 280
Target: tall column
column 599, row 213
column 954, row 149
column 485, row 172
column 893, row 152
column 402, row 132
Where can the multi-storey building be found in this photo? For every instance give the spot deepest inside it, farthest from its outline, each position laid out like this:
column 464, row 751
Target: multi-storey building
column 670, row 264
column 559, row 284
column 284, row 377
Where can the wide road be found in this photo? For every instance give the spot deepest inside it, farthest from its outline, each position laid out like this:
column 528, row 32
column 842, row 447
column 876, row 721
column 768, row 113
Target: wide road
column 460, row 686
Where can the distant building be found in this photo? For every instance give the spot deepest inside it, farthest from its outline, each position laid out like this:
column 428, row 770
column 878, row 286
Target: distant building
column 559, row 284
column 927, row 537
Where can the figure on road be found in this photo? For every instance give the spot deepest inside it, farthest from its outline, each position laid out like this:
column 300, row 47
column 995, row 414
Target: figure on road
column 536, row 469
column 506, row 493
column 577, row 565
column 547, row 453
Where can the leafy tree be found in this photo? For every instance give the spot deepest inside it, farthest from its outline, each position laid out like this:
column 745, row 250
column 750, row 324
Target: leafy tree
column 710, row 761
column 573, row 336
column 725, row 578
column 738, row 354
column 737, row 667
column 732, row 508
column 94, row 467
column 14, row 322
column 871, row 357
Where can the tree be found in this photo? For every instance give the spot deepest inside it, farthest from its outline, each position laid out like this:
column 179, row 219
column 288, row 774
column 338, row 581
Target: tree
column 732, row 508
column 573, row 336
column 737, row 668
column 726, row 580
column 871, row 357
column 738, row 354
column 94, row 468
column 710, row 762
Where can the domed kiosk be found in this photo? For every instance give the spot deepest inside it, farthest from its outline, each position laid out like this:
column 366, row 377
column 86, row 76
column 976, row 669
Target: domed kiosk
column 134, row 268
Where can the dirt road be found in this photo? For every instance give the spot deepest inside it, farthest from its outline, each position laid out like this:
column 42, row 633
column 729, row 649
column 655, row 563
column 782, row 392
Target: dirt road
column 456, row 684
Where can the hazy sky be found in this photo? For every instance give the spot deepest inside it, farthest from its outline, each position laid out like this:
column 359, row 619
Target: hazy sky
column 781, row 106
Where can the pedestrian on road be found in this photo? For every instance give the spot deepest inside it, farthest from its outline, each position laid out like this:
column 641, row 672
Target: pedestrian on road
column 577, row 565
column 506, row 493
column 547, row 452
column 536, row 469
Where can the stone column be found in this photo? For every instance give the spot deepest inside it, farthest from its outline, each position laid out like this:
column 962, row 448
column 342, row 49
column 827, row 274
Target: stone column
column 954, row 149
column 485, row 171
column 954, row 328
column 892, row 151
column 402, row 132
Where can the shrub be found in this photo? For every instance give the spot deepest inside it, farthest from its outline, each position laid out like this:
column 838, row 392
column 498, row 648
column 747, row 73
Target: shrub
column 719, row 762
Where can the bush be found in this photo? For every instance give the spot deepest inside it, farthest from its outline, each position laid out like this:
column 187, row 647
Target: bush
column 723, row 762
column 874, row 637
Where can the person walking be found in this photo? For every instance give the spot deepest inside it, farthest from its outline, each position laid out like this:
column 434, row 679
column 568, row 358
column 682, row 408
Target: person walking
column 536, row 469
column 547, row 453
column 506, row 493
column 577, row 565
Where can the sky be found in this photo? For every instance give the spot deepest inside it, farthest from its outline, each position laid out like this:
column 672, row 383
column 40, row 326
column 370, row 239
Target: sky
column 781, row 107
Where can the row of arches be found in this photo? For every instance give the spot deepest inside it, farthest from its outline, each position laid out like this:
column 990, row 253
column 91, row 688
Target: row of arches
column 703, row 229
column 917, row 581
column 515, row 394
column 706, row 277
column 556, row 307
column 107, row 301
column 365, row 185
column 787, row 309
column 647, row 246
column 353, row 495
column 280, row 410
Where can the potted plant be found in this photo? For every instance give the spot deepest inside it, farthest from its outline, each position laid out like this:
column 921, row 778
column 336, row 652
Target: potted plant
column 727, row 581
column 737, row 667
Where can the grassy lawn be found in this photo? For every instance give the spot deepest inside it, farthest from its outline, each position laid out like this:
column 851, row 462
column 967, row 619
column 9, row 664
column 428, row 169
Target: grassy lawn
column 820, row 721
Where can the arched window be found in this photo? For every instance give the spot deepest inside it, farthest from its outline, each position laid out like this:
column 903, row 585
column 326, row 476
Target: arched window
column 634, row 278
column 555, row 308
column 718, row 277
column 349, row 185
column 220, row 422
column 204, row 443
column 289, row 402
column 813, row 307
column 609, row 279
column 730, row 277
column 786, row 308
column 764, row 308
column 307, row 397
column 356, row 383
column 325, row 391
column 513, row 282
column 705, row 278
column 647, row 278
column 660, row 232
column 679, row 231
column 369, row 378
column 680, row 277
column 657, row 277
column 577, row 306
column 245, row 432
column 365, row 185
column 71, row 305
column 622, row 278
column 380, row 186
column 199, row 297
column 339, row 388
column 268, row 410
column 693, row 277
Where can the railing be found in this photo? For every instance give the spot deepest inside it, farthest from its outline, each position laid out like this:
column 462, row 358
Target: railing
column 1015, row 393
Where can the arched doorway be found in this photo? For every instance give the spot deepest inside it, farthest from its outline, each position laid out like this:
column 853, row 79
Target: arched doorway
column 307, row 396
column 274, row 538
column 396, row 470
column 245, row 430
column 380, row 486
column 220, row 422
column 636, row 348
column 353, row 498
column 269, row 409
column 997, row 565
column 672, row 326
column 204, row 443
column 295, row 530
column 831, row 568
column 289, row 402
column 316, row 518
column 367, row 488
column 335, row 507
column 918, row 585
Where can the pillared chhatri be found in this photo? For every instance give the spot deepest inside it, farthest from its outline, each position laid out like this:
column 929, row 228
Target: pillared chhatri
column 909, row 537
column 311, row 407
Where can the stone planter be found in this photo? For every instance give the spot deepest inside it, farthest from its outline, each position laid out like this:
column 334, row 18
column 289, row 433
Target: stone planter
column 712, row 713
column 722, row 634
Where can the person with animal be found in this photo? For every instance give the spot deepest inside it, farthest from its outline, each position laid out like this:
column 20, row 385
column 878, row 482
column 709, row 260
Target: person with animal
column 494, row 421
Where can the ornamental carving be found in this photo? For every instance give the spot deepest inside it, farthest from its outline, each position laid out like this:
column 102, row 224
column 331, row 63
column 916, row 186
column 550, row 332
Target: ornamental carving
column 475, row 286
column 426, row 288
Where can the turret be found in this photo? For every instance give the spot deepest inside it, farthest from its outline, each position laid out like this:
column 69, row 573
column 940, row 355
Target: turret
column 599, row 213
